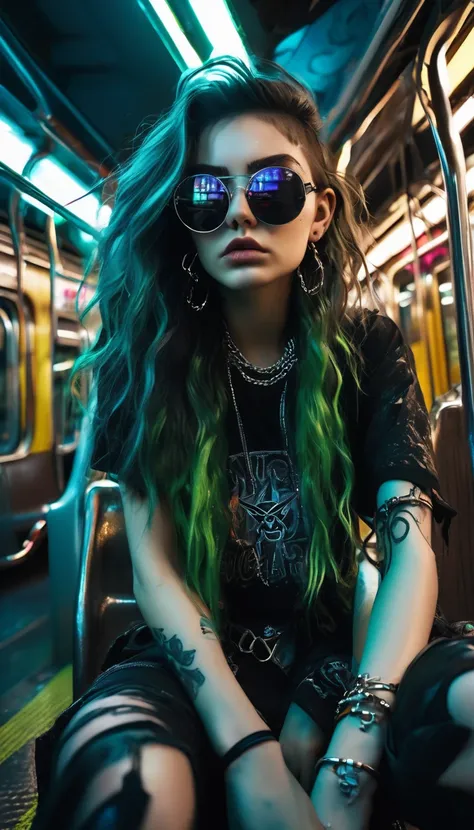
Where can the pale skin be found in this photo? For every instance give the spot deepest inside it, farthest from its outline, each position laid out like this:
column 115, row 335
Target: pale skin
column 393, row 625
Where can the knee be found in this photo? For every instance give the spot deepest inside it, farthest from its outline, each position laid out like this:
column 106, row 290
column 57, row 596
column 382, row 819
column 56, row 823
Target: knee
column 115, row 757
column 99, row 716
column 460, row 700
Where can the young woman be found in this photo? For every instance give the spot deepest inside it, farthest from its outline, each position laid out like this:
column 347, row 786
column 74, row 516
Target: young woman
column 249, row 415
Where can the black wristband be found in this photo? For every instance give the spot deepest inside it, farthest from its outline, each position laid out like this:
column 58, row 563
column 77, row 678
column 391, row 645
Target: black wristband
column 246, row 743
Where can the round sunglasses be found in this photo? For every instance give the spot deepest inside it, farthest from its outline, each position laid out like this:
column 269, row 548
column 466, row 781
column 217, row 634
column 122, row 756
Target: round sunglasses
column 275, row 195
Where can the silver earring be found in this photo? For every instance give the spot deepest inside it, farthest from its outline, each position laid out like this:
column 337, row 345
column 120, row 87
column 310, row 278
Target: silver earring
column 194, row 280
column 320, row 269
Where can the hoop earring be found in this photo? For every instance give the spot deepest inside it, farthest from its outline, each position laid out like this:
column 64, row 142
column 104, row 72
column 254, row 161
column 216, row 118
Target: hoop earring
column 319, row 269
column 194, row 280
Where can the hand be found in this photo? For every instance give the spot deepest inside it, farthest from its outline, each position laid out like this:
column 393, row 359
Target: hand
column 302, row 743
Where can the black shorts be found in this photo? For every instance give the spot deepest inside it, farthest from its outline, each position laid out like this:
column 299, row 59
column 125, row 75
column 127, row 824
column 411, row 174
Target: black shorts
column 422, row 739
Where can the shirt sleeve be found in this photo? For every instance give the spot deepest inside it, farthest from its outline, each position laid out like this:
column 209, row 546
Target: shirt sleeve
column 394, row 428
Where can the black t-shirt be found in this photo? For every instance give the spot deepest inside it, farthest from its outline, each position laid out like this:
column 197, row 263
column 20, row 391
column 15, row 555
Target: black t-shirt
column 388, row 432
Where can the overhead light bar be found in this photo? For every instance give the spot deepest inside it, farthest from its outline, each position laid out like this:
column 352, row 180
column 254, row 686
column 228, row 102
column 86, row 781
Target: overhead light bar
column 464, row 115
column 214, row 23
column 217, row 22
column 49, row 176
column 399, row 238
column 54, row 180
column 168, row 19
column 15, row 149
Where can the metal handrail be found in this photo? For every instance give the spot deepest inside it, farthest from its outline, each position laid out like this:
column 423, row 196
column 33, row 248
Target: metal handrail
column 437, row 107
column 389, row 31
column 25, row 186
column 27, row 69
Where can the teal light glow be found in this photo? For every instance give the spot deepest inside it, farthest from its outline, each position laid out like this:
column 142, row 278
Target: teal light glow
column 217, row 22
column 15, row 149
column 172, row 26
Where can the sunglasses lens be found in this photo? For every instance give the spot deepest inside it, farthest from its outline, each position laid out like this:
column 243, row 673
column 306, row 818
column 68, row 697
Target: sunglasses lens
column 276, row 195
column 201, row 202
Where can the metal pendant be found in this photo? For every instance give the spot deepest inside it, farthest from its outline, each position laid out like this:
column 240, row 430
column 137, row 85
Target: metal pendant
column 348, row 781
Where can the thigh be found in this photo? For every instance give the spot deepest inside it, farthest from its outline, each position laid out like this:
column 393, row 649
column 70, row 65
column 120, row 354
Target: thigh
column 423, row 740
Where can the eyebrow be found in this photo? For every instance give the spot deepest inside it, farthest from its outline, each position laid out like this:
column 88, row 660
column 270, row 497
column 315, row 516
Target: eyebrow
column 252, row 167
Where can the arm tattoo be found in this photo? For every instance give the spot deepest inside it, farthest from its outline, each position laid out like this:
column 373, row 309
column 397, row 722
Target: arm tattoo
column 393, row 522
column 181, row 661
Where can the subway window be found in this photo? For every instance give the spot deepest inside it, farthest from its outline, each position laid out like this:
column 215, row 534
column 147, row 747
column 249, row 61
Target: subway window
column 68, row 414
column 10, row 401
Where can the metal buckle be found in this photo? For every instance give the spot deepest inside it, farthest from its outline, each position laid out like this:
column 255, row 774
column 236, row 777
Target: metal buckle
column 250, row 649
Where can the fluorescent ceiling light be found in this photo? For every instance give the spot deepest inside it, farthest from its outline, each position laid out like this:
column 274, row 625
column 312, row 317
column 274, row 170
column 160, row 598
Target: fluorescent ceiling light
column 447, row 300
column 445, row 286
column 15, row 149
column 54, row 180
column 404, row 296
column 172, row 26
column 400, row 237
column 405, row 303
column 217, row 22
column 50, row 177
column 464, row 115
column 458, row 69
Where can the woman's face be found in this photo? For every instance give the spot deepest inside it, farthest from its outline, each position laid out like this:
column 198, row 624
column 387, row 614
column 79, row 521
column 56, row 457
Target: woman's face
column 233, row 144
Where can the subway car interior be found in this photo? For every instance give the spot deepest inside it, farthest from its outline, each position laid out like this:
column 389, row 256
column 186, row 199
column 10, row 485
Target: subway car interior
column 80, row 83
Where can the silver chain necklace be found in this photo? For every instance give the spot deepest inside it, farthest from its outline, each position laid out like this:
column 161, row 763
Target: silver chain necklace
column 273, row 374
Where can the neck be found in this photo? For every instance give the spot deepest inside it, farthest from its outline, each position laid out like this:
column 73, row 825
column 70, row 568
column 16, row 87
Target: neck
column 256, row 319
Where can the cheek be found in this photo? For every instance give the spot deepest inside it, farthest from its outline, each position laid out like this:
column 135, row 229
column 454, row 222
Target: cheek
column 208, row 246
column 290, row 241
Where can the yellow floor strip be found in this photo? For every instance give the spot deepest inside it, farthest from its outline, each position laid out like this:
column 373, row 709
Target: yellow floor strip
column 38, row 715
column 25, row 822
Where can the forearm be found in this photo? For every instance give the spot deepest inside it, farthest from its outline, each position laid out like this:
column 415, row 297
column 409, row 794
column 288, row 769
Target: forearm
column 188, row 641
column 404, row 609
column 402, row 615
column 262, row 794
column 367, row 586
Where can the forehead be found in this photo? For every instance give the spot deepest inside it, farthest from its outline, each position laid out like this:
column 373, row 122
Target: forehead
column 235, row 142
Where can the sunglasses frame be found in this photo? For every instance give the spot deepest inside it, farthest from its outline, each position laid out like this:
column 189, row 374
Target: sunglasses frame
column 308, row 187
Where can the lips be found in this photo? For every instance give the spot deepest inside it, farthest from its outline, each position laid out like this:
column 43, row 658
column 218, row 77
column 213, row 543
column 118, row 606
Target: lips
column 244, row 244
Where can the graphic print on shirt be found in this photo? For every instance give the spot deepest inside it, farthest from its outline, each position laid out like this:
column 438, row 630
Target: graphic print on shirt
column 268, row 541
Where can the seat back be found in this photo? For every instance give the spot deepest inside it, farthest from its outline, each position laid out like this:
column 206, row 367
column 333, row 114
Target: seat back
column 456, row 565
column 105, row 604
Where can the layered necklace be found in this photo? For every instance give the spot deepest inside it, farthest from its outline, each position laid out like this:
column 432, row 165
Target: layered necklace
column 262, row 376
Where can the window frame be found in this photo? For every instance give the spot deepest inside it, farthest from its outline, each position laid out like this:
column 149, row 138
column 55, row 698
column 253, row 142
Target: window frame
column 10, row 321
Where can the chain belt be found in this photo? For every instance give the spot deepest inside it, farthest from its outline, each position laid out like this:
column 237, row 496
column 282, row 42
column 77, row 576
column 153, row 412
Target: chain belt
column 262, row 648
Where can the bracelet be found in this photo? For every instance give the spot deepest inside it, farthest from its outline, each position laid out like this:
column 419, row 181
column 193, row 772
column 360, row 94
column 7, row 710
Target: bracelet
column 368, row 712
column 246, row 743
column 362, row 697
column 347, row 771
column 373, row 684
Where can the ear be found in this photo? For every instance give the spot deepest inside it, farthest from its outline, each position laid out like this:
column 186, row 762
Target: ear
column 325, row 207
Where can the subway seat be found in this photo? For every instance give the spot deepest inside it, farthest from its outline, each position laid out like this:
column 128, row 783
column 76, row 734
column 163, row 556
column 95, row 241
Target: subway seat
column 105, row 604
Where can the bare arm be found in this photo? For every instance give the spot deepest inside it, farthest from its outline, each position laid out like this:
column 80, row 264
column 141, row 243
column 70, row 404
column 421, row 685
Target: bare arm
column 400, row 623
column 261, row 790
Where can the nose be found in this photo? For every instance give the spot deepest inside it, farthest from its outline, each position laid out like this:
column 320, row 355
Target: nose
column 239, row 213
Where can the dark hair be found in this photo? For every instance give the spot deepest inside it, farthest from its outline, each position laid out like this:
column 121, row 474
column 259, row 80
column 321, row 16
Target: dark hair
column 160, row 367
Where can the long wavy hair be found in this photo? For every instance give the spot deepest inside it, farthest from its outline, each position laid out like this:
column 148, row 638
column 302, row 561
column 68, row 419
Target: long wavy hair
column 160, row 367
